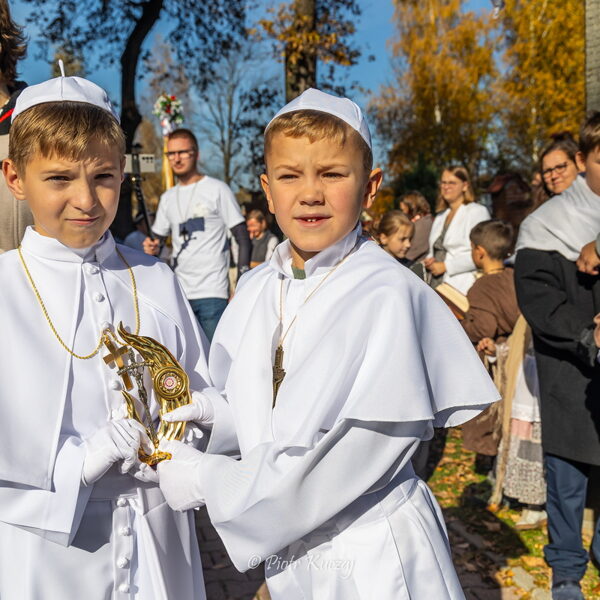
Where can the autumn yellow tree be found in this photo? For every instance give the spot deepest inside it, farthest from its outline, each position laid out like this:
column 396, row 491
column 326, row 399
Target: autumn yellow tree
column 437, row 110
column 307, row 32
column 542, row 90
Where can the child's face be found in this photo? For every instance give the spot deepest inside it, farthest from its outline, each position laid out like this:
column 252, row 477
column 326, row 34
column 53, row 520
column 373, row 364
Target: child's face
column 591, row 165
column 71, row 201
column 398, row 243
column 317, row 191
column 255, row 228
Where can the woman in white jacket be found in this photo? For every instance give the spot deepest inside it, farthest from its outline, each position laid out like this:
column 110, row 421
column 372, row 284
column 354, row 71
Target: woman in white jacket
column 449, row 257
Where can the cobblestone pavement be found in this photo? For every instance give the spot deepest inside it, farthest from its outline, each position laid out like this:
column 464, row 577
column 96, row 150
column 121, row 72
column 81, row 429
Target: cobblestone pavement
column 224, row 582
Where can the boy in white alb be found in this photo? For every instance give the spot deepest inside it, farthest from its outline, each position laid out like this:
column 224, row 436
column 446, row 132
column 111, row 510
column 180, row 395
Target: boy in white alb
column 80, row 516
column 335, row 362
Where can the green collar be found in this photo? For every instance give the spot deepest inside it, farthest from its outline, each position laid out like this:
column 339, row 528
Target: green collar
column 298, row 273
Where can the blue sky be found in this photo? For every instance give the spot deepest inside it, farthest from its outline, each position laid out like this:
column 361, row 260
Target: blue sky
column 374, row 30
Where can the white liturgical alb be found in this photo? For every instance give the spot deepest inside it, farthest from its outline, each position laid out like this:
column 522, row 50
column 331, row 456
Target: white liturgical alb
column 116, row 538
column 324, row 492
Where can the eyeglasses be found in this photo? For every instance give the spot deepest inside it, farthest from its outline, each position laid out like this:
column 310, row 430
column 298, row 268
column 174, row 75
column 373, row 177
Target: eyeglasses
column 180, row 153
column 560, row 169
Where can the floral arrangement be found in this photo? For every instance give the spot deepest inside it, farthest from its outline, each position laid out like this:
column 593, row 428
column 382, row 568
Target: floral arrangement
column 169, row 110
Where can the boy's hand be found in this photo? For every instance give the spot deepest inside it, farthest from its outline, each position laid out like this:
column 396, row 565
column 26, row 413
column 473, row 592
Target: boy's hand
column 597, row 330
column 436, row 268
column 589, row 261
column 427, row 262
column 119, row 440
column 151, row 246
column 200, row 410
column 144, row 473
column 487, row 346
column 178, row 476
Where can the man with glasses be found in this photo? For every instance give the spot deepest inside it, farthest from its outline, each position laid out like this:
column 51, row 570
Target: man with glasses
column 197, row 213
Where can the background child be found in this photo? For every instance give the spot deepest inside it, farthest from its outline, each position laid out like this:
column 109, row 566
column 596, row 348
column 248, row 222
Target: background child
column 263, row 241
column 491, row 319
column 493, row 309
column 416, row 207
column 492, row 315
column 74, row 522
column 395, row 232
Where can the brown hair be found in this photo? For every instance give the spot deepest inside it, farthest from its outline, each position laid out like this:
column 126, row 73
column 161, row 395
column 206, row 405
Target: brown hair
column 589, row 137
column 560, row 141
column 495, row 237
column 392, row 221
column 13, row 46
column 416, row 203
column 182, row 132
column 463, row 175
column 257, row 215
column 317, row 125
column 64, row 129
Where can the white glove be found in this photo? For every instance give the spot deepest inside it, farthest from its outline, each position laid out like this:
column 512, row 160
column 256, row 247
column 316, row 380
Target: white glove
column 199, row 410
column 178, row 477
column 144, row 473
column 119, row 440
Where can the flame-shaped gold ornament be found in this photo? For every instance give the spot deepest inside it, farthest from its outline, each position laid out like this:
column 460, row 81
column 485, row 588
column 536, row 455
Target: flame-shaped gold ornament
column 169, row 380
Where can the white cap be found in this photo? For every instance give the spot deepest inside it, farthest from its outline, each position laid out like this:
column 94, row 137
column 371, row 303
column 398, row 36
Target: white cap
column 63, row 89
column 343, row 108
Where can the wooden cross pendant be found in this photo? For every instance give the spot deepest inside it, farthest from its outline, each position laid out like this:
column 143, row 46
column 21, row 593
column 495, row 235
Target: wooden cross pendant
column 278, row 372
column 116, row 356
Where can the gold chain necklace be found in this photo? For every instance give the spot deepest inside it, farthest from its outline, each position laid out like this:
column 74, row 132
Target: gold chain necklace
column 103, row 334
column 278, row 370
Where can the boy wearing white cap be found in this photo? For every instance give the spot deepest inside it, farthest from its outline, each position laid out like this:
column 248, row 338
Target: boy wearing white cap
column 80, row 516
column 336, row 361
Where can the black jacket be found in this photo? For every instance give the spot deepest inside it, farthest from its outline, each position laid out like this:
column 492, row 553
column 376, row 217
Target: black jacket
column 560, row 303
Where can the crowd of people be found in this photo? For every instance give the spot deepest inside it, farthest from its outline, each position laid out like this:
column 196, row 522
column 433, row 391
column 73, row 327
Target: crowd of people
column 528, row 303
column 300, row 442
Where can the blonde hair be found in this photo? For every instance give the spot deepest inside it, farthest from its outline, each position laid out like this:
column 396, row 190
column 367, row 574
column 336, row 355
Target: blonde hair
column 392, row 221
column 468, row 194
column 317, row 125
column 64, row 129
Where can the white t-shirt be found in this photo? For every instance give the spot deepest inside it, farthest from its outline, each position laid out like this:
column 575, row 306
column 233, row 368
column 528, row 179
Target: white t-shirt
column 198, row 216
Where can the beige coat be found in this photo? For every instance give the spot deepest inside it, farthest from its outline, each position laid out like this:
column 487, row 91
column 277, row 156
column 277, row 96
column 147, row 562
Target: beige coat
column 14, row 215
